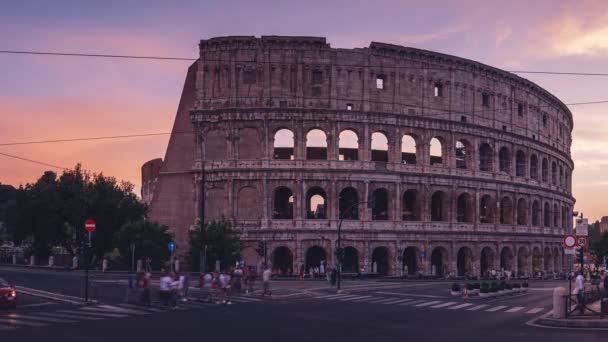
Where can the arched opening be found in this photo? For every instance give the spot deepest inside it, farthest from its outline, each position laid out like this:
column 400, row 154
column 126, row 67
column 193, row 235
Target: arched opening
column 351, row 260
column 408, row 150
column 537, row 257
column 545, row 170
column 506, row 211
column 486, row 209
column 565, row 217
column 411, row 207
column 547, row 215
column 316, row 204
column 380, row 211
column 554, row 173
column 348, row 146
column 504, row 160
column 556, row 260
column 316, row 145
column 555, row 216
column 438, row 206
column 283, row 144
column 464, row 262
column 535, row 213
column 283, row 204
column 379, row 147
column 534, row 167
column 485, row 157
column 522, row 212
column 486, row 262
column 315, row 255
column 282, row 260
column 520, row 164
column 522, row 261
column 561, row 176
column 461, row 155
column 439, row 261
column 436, row 152
column 506, row 259
column 410, row 261
column 464, row 208
column 548, row 260
column 380, row 261
column 349, row 208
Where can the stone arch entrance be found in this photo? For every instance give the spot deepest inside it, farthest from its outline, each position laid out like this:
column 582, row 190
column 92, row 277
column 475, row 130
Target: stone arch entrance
column 506, row 259
column 557, row 262
column 486, row 261
column 314, row 256
column 351, row 260
column 464, row 260
column 537, row 262
column 410, row 260
column 282, row 260
column 522, row 260
column 439, row 261
column 548, row 260
column 380, row 258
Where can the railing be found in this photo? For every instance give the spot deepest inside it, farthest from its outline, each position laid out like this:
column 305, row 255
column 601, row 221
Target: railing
column 578, row 306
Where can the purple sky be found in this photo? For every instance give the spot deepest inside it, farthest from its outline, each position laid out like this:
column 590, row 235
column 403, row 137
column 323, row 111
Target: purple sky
column 44, row 97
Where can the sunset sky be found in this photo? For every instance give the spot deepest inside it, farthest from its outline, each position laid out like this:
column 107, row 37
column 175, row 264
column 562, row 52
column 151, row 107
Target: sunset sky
column 46, row 97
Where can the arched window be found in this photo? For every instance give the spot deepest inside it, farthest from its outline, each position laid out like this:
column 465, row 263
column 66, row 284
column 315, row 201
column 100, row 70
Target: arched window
column 565, row 216
column 534, row 167
column 522, row 212
column 520, row 164
column 283, row 204
column 535, row 213
column 463, row 208
column 411, row 210
column 283, row 144
column 485, row 157
column 316, row 145
column 561, row 177
column 348, row 145
column 554, row 173
column 567, row 180
column 438, row 206
column 316, row 203
column 545, row 170
column 547, row 215
column 486, row 209
column 408, row 150
column 380, row 211
column 436, row 152
column 349, row 208
column 379, row 147
column 504, row 160
column 555, row 216
column 506, row 211
column 461, row 155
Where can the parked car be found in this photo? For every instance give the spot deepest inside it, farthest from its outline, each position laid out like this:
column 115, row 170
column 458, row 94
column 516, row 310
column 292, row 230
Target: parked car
column 8, row 295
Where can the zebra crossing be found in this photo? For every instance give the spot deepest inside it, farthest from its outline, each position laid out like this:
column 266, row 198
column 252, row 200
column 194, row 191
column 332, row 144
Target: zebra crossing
column 431, row 304
column 16, row 320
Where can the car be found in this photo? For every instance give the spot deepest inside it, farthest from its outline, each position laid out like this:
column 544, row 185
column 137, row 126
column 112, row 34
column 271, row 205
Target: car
column 8, row 295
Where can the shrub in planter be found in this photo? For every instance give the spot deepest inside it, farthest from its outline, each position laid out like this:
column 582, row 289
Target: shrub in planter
column 477, row 286
column 455, row 291
column 484, row 286
column 516, row 287
column 469, row 286
column 524, row 286
column 508, row 287
column 494, row 288
column 484, row 291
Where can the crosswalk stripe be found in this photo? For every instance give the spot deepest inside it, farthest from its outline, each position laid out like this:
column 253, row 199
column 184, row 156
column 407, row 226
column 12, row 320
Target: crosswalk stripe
column 15, row 322
column 460, row 306
column 353, row 298
column 496, row 308
column 382, row 300
column 123, row 310
column 475, row 308
column 443, row 305
column 331, row 296
column 43, row 319
column 414, row 302
column 60, row 315
column 342, row 298
column 363, row 300
column 246, row 299
column 535, row 310
column 398, row 301
column 515, row 309
column 139, row 307
column 423, row 304
column 89, row 313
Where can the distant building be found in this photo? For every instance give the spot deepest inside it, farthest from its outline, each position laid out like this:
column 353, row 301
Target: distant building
column 604, row 224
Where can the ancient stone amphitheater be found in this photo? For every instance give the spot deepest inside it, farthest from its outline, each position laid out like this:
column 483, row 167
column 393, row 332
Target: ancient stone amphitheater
column 469, row 165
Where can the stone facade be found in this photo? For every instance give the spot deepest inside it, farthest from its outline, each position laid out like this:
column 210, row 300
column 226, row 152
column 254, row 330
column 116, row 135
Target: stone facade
column 469, row 166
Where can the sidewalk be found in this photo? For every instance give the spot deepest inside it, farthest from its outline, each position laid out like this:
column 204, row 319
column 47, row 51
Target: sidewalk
column 575, row 321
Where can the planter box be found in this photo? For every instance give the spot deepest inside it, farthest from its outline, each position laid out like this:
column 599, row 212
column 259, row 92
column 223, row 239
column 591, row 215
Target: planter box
column 456, row 293
column 484, row 295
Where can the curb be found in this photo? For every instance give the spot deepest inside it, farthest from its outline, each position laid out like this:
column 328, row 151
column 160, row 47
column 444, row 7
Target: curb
column 545, row 321
column 54, row 296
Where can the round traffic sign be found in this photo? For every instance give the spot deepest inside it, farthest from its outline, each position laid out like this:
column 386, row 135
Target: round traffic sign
column 582, row 241
column 89, row 225
column 569, row 241
column 171, row 246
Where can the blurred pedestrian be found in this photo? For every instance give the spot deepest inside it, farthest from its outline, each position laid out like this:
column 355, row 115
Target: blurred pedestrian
column 266, row 275
column 145, row 294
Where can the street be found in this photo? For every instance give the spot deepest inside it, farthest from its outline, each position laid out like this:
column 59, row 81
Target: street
column 364, row 310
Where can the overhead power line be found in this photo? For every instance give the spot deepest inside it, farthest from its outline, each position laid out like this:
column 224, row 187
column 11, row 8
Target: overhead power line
column 91, row 138
column 33, row 161
column 94, row 55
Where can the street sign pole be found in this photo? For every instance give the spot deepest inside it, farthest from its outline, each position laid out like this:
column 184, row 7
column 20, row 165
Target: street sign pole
column 89, row 226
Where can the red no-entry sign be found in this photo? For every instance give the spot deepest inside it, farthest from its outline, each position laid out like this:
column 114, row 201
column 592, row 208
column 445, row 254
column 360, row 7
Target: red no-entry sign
column 89, row 225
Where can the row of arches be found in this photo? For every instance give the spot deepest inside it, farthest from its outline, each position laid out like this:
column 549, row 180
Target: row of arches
column 489, row 210
column 520, row 163
column 412, row 260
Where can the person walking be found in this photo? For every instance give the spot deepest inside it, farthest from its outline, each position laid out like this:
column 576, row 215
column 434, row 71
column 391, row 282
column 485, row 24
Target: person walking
column 165, row 289
column 266, row 275
column 579, row 291
column 145, row 294
column 225, row 286
column 251, row 281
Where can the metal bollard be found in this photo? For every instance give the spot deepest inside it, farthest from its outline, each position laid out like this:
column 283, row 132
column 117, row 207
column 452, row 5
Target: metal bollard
column 559, row 303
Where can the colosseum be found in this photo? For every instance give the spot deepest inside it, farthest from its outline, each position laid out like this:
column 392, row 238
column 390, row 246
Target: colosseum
column 468, row 166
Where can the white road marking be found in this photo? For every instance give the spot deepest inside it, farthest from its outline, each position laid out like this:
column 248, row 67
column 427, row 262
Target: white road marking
column 443, row 305
column 43, row 319
column 97, row 313
column 246, row 299
column 399, row 301
column 344, row 297
column 515, row 309
column 423, row 304
column 409, row 294
column 332, row 296
column 382, row 300
column 15, row 322
column 62, row 315
column 353, row 298
column 496, row 308
column 120, row 310
column 465, row 305
column 37, row 304
column 139, row 307
column 475, row 308
column 535, row 310
column 414, row 302
column 369, row 299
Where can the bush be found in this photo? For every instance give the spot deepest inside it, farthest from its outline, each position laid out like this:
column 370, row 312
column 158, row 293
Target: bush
column 525, row 284
column 485, row 286
column 501, row 286
column 494, row 287
column 469, row 286
column 456, row 287
column 516, row 286
column 477, row 286
column 508, row 287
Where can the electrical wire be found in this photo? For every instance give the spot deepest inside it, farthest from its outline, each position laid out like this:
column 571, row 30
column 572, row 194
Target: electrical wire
column 33, row 161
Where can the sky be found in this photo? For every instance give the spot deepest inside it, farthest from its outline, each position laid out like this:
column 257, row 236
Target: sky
column 46, row 97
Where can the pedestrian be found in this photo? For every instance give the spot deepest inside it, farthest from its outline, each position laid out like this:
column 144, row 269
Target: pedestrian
column 301, row 272
column 148, row 265
column 173, row 287
column 251, row 281
column 579, row 291
column 181, row 287
column 236, row 279
column 333, row 277
column 266, row 275
column 164, row 292
column 104, row 264
column 605, row 282
column 145, row 295
column 225, row 287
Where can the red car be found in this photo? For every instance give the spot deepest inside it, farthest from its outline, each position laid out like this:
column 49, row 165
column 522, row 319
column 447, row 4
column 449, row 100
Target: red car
column 8, row 295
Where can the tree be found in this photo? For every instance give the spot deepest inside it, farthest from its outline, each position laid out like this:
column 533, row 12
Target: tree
column 222, row 242
column 599, row 248
column 150, row 239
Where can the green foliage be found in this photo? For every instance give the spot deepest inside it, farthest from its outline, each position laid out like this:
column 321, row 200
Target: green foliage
column 524, row 284
column 476, row 286
column 516, row 286
column 484, row 287
column 455, row 287
column 599, row 248
column 150, row 239
column 221, row 241
column 494, row 287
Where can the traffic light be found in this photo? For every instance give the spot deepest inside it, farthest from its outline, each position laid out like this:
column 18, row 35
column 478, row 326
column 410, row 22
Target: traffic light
column 261, row 248
column 580, row 255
